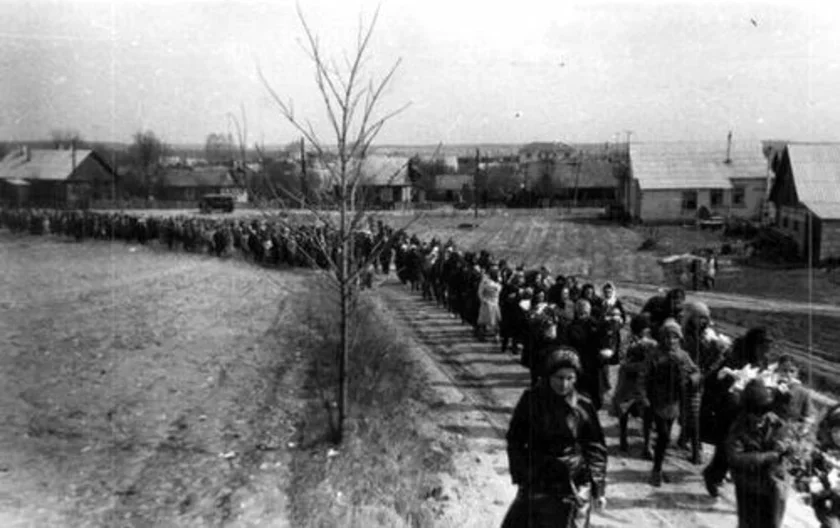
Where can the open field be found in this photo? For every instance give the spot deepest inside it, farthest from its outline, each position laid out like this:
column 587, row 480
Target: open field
column 140, row 388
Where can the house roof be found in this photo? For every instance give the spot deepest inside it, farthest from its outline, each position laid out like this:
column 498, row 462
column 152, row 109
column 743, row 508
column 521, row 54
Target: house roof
column 695, row 165
column 816, row 176
column 546, row 145
column 384, row 171
column 203, row 177
column 452, row 182
column 591, row 174
column 41, row 164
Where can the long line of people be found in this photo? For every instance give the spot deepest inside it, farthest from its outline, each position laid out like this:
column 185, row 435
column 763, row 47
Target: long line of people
column 673, row 367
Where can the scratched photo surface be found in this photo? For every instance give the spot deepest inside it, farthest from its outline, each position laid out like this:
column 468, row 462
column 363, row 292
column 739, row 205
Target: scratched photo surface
column 298, row 264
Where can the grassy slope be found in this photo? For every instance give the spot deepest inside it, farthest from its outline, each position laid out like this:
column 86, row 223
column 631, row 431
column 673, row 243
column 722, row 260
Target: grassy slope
column 387, row 468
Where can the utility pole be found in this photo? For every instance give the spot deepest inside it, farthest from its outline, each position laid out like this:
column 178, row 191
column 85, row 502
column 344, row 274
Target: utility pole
column 577, row 177
column 475, row 183
column 303, row 189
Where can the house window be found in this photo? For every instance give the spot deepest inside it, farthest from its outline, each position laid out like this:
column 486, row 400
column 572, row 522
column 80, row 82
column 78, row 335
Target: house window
column 796, row 225
column 716, row 197
column 689, row 200
column 739, row 197
column 785, row 222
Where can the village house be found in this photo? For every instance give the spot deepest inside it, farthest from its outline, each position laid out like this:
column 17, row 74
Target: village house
column 450, row 187
column 55, row 178
column 189, row 185
column 687, row 181
column 382, row 181
column 806, row 196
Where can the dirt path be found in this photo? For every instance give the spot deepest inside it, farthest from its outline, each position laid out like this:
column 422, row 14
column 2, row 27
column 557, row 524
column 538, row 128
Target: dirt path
column 141, row 398
column 480, row 387
column 745, row 302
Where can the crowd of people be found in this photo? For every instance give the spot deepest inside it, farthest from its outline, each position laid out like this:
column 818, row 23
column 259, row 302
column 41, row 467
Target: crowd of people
column 673, row 367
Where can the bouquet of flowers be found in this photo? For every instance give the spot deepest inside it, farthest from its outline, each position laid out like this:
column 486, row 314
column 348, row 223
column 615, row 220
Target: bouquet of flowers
column 747, row 373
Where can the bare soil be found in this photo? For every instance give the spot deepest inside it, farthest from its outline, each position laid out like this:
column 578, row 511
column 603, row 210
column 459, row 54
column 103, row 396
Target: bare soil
column 142, row 389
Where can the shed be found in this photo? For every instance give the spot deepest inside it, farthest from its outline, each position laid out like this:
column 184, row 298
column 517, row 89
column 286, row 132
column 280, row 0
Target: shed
column 806, row 195
column 675, row 181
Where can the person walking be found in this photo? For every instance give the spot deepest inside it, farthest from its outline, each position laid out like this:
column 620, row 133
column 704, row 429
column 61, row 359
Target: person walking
column 670, row 374
column 757, row 453
column 556, row 451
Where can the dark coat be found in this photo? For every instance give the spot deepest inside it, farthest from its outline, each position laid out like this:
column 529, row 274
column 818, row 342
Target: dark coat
column 554, row 442
column 753, row 448
column 668, row 378
column 586, row 337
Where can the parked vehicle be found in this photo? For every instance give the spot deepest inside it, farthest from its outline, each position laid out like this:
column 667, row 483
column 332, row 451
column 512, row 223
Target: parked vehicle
column 211, row 202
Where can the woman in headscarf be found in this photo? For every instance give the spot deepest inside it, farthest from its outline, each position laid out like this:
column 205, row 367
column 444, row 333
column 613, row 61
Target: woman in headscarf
column 489, row 314
column 610, row 301
column 709, row 352
column 556, row 451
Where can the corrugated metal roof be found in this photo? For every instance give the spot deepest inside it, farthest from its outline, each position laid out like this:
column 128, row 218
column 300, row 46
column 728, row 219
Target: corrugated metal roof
column 695, row 165
column 42, row 164
column 816, row 175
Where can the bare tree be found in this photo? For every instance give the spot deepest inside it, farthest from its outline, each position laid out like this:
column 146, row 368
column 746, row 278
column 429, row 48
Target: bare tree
column 352, row 102
column 147, row 152
column 65, row 138
column 218, row 148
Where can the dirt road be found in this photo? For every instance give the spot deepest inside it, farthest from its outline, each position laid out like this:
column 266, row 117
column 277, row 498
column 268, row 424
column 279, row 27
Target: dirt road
column 479, row 388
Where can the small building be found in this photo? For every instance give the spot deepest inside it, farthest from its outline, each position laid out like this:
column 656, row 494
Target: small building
column 684, row 181
column 383, row 181
column 806, row 195
column 450, row 187
column 189, row 185
column 59, row 178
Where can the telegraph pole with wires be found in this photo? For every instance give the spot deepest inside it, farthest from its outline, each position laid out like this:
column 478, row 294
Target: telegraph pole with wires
column 475, row 183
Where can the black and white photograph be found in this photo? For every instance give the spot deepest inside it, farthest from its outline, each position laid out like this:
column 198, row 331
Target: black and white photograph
column 419, row 264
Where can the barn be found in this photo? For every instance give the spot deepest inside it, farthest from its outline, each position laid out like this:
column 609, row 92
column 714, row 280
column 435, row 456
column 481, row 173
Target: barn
column 806, row 196
column 59, row 178
column 684, row 181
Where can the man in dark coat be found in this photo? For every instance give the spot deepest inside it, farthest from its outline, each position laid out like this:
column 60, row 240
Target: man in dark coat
column 662, row 307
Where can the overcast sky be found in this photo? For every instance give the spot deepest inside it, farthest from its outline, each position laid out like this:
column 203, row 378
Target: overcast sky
column 513, row 71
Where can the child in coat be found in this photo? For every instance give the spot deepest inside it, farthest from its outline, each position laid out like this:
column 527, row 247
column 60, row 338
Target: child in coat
column 671, row 374
column 630, row 398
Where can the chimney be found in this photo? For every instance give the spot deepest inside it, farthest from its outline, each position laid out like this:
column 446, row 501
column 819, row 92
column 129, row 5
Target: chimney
column 25, row 152
column 73, row 155
column 728, row 148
